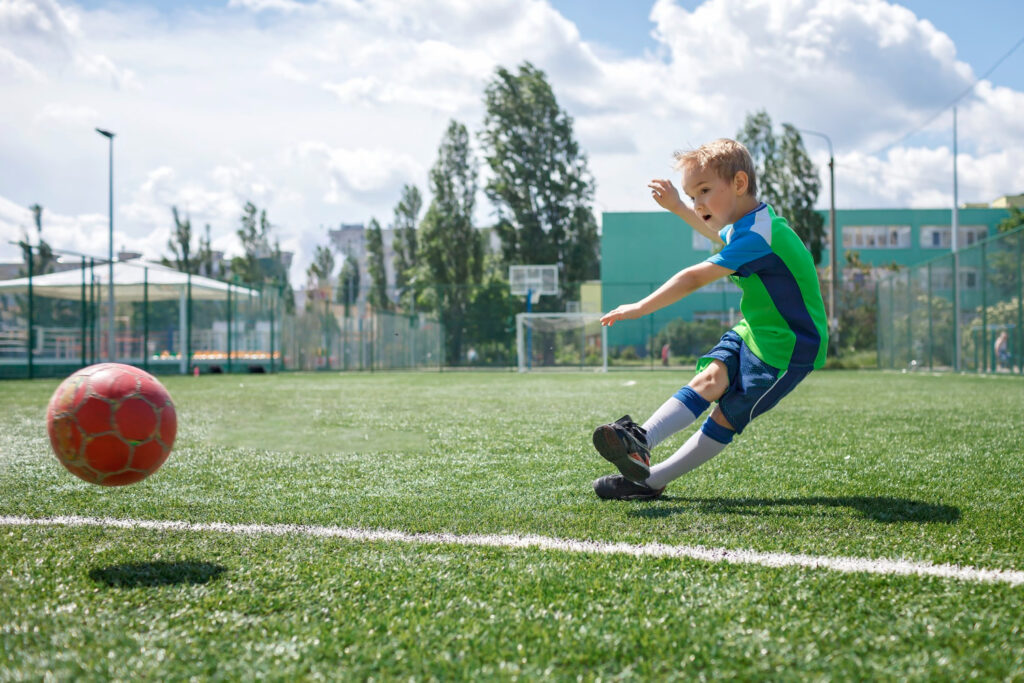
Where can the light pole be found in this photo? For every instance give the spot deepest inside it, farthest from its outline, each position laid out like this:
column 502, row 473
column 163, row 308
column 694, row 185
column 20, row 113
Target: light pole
column 111, row 341
column 832, row 252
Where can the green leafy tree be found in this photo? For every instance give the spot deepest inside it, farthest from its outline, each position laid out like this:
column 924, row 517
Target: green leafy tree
column 490, row 319
column 539, row 183
column 857, row 303
column 42, row 254
column 786, row 177
column 375, row 267
column 45, row 310
column 261, row 264
column 320, row 276
column 451, row 249
column 1013, row 221
column 183, row 257
column 348, row 284
column 407, row 213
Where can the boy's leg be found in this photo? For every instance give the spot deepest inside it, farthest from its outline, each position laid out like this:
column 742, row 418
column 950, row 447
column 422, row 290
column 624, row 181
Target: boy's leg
column 687, row 404
column 617, row 441
column 762, row 388
column 711, row 439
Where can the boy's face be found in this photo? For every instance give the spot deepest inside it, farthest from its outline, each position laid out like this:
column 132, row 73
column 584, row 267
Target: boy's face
column 716, row 200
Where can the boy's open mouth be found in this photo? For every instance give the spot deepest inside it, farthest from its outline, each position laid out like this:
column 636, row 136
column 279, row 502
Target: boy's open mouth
column 706, row 217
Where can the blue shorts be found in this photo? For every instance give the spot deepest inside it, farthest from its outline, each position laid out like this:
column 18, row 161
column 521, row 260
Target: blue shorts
column 754, row 386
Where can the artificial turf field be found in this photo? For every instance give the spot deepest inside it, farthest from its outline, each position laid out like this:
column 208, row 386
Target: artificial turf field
column 927, row 469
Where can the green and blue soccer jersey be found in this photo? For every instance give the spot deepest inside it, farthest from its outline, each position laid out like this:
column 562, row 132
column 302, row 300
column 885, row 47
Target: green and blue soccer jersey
column 784, row 321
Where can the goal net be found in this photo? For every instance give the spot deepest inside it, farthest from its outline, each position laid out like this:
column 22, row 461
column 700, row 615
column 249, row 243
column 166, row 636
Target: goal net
column 561, row 340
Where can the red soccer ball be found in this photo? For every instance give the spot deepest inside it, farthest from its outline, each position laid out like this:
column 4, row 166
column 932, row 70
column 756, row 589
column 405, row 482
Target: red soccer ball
column 111, row 424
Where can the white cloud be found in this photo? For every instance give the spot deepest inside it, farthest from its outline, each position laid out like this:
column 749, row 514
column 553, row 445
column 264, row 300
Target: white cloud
column 320, row 111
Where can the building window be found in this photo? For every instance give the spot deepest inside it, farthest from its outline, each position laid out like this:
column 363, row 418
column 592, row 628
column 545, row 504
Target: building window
column 876, row 237
column 942, row 278
column 938, row 236
column 857, row 277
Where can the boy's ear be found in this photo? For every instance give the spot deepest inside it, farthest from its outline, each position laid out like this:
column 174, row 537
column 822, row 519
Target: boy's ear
column 740, row 182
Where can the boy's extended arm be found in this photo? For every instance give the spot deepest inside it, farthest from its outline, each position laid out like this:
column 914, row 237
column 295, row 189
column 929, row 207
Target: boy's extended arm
column 675, row 288
column 667, row 197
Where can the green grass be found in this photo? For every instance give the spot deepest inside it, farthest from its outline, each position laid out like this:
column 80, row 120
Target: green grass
column 865, row 464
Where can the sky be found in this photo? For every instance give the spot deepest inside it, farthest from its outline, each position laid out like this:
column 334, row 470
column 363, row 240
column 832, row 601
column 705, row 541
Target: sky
column 319, row 111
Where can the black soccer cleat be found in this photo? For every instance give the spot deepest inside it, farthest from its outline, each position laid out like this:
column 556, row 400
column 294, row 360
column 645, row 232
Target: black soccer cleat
column 617, row 487
column 623, row 443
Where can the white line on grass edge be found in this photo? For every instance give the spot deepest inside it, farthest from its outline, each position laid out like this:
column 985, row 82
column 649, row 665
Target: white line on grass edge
column 838, row 564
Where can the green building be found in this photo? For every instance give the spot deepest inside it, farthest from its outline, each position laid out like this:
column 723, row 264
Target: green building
column 640, row 250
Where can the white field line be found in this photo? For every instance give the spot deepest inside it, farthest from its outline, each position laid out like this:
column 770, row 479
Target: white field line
column 838, row 564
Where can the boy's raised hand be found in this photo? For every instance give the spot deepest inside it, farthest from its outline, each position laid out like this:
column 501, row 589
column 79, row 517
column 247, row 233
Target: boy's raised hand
column 623, row 312
column 666, row 194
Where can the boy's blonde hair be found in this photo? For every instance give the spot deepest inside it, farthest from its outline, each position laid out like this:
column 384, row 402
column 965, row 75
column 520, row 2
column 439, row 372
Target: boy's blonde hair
column 723, row 156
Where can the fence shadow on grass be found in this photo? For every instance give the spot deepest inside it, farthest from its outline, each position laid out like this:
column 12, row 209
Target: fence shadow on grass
column 878, row 508
column 151, row 574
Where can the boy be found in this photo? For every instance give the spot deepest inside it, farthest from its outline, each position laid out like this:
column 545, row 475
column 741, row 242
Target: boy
column 782, row 337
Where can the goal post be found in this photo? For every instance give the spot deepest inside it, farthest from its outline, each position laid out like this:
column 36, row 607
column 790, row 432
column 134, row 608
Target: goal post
column 571, row 341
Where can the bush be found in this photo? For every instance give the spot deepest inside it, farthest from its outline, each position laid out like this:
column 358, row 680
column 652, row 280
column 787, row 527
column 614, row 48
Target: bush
column 690, row 338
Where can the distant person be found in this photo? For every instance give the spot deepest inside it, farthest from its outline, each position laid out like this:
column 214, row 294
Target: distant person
column 664, row 355
column 1002, row 350
column 782, row 337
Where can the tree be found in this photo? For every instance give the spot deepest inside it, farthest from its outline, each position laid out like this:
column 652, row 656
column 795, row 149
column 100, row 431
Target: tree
column 451, row 249
column 260, row 263
column 375, row 267
column 41, row 254
column 1013, row 221
column 407, row 214
column 348, row 283
column 183, row 257
column 786, row 178
column 319, row 275
column 45, row 310
column 540, row 184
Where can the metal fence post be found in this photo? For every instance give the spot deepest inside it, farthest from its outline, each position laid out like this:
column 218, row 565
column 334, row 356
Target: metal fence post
column 188, row 324
column 910, row 316
column 84, row 318
column 145, row 318
column 931, row 341
column 229, row 329
column 1020, row 308
column 273, row 311
column 31, row 312
column 984, row 310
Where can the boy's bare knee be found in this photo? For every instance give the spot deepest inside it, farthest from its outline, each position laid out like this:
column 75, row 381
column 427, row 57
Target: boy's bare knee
column 719, row 417
column 712, row 381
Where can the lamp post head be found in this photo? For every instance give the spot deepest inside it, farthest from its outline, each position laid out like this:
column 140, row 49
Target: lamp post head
column 105, row 133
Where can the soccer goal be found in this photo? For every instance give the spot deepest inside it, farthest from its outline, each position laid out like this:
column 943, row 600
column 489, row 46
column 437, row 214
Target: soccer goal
column 571, row 341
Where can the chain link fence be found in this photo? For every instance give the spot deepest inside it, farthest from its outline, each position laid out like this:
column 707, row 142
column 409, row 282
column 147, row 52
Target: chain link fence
column 168, row 322
column 959, row 312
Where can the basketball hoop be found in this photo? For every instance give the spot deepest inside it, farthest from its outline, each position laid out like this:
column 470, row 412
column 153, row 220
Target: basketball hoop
column 533, row 281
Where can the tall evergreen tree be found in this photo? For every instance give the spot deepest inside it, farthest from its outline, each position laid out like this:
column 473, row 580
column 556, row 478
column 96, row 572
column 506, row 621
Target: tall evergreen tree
column 42, row 253
column 375, row 267
column 451, row 249
column 185, row 258
column 540, row 184
column 261, row 264
column 407, row 215
column 348, row 284
column 786, row 177
column 320, row 276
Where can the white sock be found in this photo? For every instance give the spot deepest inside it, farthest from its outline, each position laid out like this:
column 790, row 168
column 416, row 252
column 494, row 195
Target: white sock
column 675, row 414
column 697, row 450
